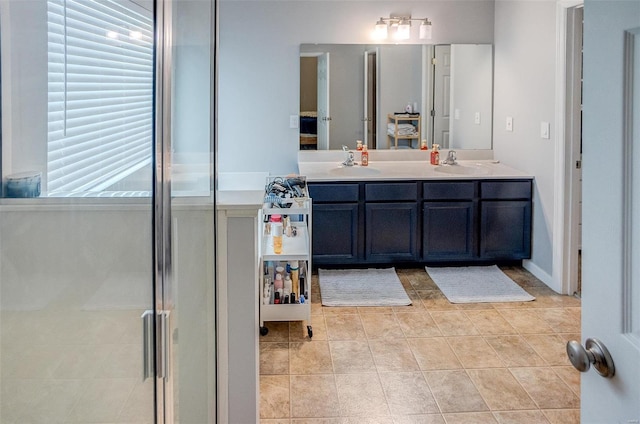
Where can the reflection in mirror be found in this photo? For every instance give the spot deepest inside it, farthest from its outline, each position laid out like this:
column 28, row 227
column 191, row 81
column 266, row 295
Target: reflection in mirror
column 351, row 92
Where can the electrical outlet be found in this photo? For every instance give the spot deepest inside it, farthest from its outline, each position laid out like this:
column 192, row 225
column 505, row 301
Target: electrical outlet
column 545, row 129
column 509, row 124
column 476, row 119
column 293, row 121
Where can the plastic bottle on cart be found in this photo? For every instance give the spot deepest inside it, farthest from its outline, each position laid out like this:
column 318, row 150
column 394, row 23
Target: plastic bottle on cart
column 294, row 270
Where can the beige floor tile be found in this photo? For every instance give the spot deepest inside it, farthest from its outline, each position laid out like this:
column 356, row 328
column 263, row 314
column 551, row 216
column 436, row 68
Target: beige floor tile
column 434, row 300
column 298, row 329
column 500, row 390
column 455, row 392
column 317, row 421
column 314, row 396
column 474, row 352
column 472, row 417
column 274, row 396
column 340, row 310
column 454, row 323
column 361, row 395
column 422, row 281
column 570, row 376
column 363, row 310
column 274, row 358
column 419, row 419
column 490, row 322
column 392, row 355
column 526, row 321
column 434, row 353
column 520, row 417
column 351, row 357
column 546, row 388
column 311, row 357
column 277, row 421
column 367, row 420
column 278, row 332
column 419, row 324
column 550, row 347
column 515, row 351
column 563, row 416
column 344, row 327
column 562, row 320
column 381, row 326
column 139, row 407
column 407, row 393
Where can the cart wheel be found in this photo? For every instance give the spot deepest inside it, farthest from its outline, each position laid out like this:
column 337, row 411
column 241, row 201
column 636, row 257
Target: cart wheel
column 309, row 331
column 264, row 331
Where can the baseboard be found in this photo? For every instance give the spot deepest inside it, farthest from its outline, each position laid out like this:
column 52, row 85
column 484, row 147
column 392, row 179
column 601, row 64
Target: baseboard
column 541, row 275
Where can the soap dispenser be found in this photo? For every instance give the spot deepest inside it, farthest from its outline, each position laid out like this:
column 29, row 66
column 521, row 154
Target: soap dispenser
column 364, row 161
column 435, row 154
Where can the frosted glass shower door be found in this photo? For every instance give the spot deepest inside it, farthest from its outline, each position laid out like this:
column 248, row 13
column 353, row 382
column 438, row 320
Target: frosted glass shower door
column 76, row 261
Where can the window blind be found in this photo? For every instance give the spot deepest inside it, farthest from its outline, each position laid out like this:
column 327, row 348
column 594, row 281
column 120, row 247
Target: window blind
column 100, row 92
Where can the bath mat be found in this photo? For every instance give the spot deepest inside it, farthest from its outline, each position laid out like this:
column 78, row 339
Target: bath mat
column 362, row 287
column 477, row 284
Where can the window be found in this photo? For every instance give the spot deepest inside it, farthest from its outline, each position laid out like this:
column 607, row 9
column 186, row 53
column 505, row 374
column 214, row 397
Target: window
column 100, row 94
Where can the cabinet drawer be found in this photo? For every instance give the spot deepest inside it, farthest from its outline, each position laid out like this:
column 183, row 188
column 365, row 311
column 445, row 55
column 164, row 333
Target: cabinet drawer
column 391, row 192
column 463, row 190
column 333, row 193
column 505, row 189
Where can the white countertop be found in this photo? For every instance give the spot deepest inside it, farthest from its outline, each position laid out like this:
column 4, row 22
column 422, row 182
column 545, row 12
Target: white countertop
column 328, row 168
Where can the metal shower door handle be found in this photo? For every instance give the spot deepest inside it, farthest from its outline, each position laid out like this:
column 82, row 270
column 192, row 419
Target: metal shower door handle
column 594, row 352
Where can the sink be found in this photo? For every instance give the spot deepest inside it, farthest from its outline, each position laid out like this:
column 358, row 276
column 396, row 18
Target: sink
column 458, row 169
column 354, row 170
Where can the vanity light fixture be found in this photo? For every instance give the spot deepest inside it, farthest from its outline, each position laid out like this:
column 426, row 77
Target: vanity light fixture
column 402, row 26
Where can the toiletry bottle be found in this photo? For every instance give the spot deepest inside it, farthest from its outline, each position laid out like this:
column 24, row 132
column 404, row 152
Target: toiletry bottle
column 279, row 284
column 408, row 108
column 294, row 267
column 423, row 145
column 359, row 145
column 365, row 156
column 276, row 233
column 435, row 155
column 288, row 285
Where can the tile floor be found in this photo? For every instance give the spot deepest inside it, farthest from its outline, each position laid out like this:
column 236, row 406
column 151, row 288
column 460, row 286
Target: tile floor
column 431, row 362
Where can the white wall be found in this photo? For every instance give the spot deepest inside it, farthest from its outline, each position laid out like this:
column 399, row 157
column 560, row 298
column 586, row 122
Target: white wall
column 259, row 64
column 524, row 78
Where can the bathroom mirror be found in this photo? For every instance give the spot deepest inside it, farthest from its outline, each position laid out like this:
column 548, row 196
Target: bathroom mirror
column 351, row 92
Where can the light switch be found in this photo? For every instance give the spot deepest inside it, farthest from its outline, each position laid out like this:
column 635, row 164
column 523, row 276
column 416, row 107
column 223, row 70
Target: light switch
column 293, row 121
column 509, row 125
column 545, row 129
column 476, row 119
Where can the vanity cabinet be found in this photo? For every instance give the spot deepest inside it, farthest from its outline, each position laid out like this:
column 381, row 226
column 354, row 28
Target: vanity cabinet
column 505, row 223
column 391, row 222
column 438, row 221
column 449, row 211
column 337, row 220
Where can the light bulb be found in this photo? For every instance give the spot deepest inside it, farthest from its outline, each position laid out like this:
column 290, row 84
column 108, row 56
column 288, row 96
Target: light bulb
column 380, row 32
column 425, row 30
column 404, row 30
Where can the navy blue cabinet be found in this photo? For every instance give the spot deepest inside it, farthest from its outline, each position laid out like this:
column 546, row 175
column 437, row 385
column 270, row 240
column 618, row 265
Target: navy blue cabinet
column 427, row 221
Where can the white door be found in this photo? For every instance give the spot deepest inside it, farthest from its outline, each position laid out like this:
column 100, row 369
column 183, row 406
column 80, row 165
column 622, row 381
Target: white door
column 370, row 97
column 442, row 95
column 324, row 115
column 611, row 207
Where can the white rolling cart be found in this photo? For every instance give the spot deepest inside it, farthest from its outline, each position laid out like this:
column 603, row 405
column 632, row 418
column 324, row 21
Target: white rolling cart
column 296, row 246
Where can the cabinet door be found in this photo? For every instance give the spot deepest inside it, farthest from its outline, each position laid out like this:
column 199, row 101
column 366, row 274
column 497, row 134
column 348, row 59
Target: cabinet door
column 335, row 233
column 391, row 232
column 448, row 231
column 505, row 229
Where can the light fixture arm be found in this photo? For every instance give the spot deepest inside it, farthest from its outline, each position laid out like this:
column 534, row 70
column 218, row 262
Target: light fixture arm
column 402, row 24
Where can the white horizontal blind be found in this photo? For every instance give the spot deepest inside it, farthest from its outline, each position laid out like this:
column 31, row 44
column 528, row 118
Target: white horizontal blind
column 100, row 95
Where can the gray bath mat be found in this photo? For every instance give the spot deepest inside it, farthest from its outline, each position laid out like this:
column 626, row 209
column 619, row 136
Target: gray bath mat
column 476, row 284
column 362, row 287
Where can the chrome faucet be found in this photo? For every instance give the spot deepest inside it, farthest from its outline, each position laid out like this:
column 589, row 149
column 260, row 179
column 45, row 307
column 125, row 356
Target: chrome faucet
column 349, row 160
column 451, row 158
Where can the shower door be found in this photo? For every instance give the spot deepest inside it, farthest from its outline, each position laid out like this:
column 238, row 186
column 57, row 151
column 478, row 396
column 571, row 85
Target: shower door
column 106, row 214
